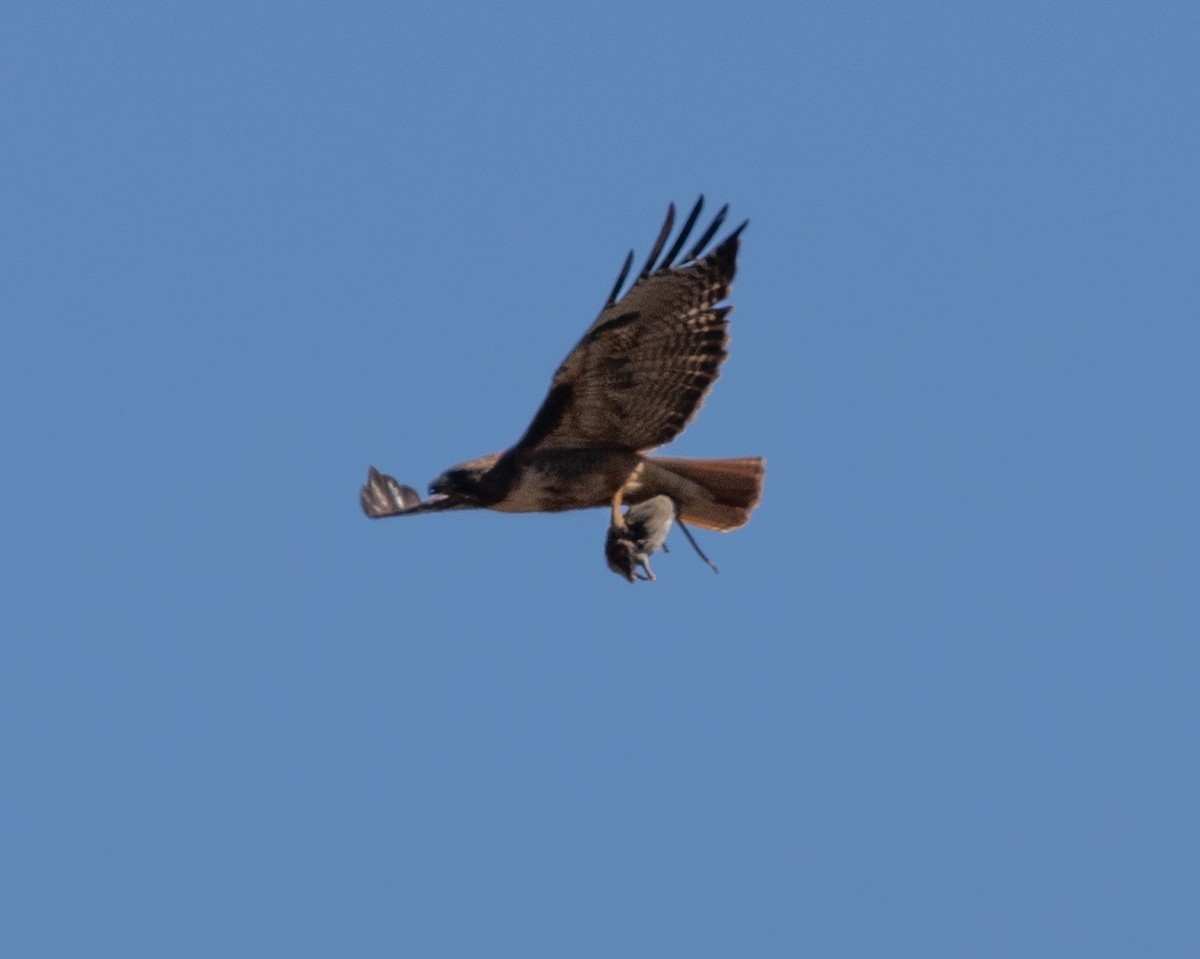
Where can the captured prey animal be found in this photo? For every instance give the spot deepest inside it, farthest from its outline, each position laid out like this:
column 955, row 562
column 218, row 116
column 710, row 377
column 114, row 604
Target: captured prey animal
column 632, row 383
column 641, row 534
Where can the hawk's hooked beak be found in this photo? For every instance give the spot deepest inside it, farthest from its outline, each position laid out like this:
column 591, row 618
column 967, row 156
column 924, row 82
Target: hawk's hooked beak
column 439, row 493
column 457, row 483
column 443, row 485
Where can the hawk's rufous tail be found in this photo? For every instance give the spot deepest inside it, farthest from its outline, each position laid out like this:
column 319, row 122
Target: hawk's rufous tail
column 716, row 494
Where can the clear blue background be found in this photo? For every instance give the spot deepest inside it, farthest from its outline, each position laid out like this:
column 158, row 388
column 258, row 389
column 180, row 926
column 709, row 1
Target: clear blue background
column 940, row 701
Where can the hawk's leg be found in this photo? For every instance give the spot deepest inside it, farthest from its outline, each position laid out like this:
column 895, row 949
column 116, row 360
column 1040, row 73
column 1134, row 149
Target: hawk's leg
column 632, row 482
column 618, row 518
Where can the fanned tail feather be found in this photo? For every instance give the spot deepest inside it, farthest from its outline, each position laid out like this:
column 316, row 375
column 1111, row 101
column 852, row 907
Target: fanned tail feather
column 716, row 494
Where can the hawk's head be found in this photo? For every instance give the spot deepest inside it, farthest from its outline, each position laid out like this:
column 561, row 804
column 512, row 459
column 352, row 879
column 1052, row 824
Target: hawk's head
column 470, row 483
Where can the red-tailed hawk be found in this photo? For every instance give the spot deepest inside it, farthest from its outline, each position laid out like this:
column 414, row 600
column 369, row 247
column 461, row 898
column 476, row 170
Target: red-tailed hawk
column 632, row 383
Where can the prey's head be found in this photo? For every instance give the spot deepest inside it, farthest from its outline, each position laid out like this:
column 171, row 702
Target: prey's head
column 625, row 557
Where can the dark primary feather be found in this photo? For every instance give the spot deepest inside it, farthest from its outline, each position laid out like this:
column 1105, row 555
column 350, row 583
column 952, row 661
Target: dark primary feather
column 712, row 231
column 683, row 234
column 643, row 367
column 680, row 240
column 665, row 232
column 612, row 297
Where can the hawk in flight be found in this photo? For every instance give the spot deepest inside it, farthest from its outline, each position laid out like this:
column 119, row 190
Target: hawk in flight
column 633, row 382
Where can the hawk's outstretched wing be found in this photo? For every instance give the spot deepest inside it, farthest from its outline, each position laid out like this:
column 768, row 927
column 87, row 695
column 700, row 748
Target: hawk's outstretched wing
column 644, row 366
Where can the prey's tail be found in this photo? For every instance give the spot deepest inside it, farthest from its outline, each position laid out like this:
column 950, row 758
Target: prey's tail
column 712, row 494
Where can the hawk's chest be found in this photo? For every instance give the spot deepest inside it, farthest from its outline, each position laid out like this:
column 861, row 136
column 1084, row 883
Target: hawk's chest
column 548, row 481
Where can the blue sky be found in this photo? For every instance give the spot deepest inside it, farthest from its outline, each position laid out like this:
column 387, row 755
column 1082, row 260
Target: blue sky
column 941, row 699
